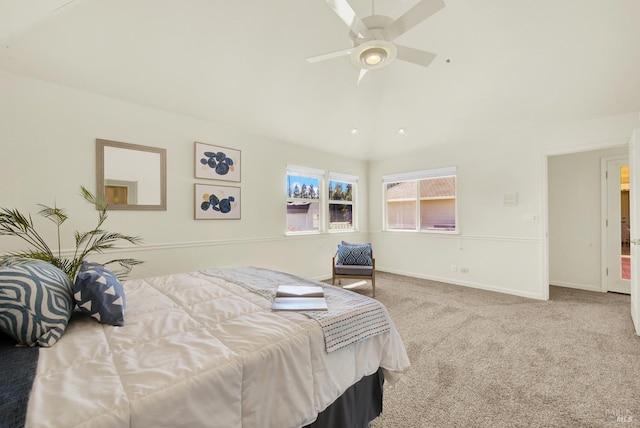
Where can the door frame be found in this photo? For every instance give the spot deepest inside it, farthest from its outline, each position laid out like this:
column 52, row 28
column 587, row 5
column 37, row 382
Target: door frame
column 634, row 205
column 544, row 217
column 604, row 214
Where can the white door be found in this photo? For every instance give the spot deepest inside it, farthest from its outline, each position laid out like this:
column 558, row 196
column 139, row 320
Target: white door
column 618, row 266
column 634, row 176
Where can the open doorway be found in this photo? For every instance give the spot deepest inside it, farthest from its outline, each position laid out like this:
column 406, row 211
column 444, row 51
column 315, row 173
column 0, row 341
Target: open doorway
column 575, row 219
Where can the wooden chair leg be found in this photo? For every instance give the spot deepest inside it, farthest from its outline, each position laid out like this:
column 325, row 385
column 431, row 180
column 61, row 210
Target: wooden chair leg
column 333, row 270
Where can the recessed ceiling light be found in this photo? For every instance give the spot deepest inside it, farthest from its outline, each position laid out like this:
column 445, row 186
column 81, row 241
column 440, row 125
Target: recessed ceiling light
column 402, row 131
column 354, row 131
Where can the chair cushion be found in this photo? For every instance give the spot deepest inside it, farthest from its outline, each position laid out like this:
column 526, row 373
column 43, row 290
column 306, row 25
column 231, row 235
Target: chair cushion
column 352, row 243
column 354, row 270
column 359, row 255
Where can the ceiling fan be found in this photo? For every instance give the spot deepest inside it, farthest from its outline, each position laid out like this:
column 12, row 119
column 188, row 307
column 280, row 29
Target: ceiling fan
column 373, row 36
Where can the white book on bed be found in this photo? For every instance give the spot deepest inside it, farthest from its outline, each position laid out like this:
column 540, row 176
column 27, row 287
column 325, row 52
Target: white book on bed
column 299, row 291
column 299, row 304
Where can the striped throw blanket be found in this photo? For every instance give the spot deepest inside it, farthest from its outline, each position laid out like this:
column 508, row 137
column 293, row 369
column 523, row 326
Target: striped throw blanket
column 351, row 317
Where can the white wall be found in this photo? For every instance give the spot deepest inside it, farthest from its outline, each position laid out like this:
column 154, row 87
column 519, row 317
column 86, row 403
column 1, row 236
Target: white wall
column 47, row 135
column 501, row 251
column 575, row 218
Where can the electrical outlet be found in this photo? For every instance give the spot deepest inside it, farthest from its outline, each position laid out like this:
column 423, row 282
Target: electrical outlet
column 464, row 270
column 454, row 268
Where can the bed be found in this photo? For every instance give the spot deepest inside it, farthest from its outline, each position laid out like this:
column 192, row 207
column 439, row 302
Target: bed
column 204, row 349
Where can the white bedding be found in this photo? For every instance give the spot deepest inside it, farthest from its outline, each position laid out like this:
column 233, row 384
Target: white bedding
column 199, row 351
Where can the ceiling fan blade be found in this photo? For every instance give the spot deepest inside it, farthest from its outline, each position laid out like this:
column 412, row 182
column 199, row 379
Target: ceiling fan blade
column 330, row 55
column 418, row 13
column 345, row 12
column 361, row 75
column 415, row 56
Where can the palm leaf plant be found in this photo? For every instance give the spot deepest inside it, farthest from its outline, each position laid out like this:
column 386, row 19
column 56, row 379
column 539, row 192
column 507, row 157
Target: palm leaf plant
column 96, row 240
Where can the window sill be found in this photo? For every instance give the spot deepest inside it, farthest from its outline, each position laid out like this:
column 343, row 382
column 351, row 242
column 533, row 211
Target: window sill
column 434, row 231
column 342, row 230
column 438, row 231
column 328, row 232
column 302, row 232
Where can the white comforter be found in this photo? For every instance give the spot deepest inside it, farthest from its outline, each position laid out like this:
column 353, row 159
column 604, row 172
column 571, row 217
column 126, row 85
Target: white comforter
column 199, row 351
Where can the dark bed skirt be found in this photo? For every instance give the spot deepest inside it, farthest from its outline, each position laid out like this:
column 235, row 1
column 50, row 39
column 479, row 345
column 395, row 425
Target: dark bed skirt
column 17, row 370
column 359, row 405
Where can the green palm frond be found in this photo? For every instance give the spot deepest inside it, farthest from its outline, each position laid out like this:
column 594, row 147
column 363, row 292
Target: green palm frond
column 100, row 203
column 125, row 266
column 97, row 240
column 14, row 223
column 56, row 215
column 107, row 239
column 86, row 237
column 32, row 254
column 91, row 198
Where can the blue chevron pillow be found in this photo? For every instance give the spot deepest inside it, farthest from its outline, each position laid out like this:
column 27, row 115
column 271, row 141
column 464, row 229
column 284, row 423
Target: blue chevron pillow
column 353, row 254
column 99, row 293
column 35, row 301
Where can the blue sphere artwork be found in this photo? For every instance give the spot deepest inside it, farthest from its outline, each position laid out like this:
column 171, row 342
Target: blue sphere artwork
column 219, row 162
column 217, row 204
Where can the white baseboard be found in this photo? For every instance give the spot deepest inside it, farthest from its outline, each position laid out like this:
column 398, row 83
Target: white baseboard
column 577, row 286
column 470, row 284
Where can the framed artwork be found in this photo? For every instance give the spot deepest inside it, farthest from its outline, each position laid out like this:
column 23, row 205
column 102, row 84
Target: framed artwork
column 217, row 202
column 217, row 163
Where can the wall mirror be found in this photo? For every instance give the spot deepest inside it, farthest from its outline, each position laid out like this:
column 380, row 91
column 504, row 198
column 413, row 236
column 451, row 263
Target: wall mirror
column 131, row 176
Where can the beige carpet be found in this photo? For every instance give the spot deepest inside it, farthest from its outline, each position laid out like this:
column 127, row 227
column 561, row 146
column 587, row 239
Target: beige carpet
column 485, row 359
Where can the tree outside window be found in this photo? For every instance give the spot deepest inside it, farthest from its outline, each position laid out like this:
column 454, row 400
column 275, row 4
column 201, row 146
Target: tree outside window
column 341, row 204
column 303, row 202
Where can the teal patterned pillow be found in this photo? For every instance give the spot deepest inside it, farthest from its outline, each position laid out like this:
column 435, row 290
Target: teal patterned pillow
column 35, row 302
column 99, row 293
column 359, row 255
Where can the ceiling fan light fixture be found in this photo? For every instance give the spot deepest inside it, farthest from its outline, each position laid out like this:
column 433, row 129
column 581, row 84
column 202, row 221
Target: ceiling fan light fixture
column 373, row 56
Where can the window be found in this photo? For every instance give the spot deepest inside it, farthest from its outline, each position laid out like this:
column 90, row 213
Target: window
column 341, row 195
column 304, row 197
column 422, row 200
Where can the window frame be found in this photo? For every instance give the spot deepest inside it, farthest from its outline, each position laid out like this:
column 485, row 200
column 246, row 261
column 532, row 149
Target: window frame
column 324, row 200
column 349, row 179
column 306, row 172
column 416, row 177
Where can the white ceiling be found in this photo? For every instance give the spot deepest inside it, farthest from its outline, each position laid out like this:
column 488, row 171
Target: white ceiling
column 501, row 65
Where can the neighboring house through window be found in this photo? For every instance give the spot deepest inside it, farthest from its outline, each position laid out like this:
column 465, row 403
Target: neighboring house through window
column 421, row 200
column 304, row 198
column 315, row 204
